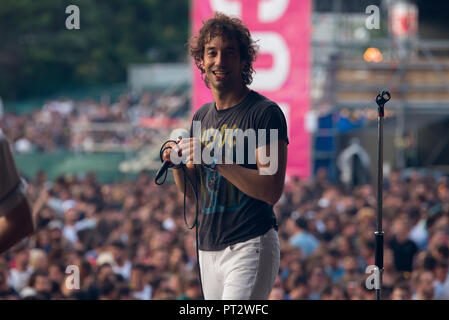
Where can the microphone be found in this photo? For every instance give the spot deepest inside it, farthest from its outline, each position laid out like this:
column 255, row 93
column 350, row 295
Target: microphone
column 381, row 99
column 180, row 133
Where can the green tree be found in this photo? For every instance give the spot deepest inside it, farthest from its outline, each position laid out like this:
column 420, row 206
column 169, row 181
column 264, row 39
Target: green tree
column 38, row 55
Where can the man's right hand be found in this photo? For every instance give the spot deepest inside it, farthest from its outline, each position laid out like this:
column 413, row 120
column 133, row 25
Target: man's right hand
column 177, row 152
column 167, row 152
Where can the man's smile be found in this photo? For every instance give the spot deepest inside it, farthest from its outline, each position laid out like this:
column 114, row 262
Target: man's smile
column 220, row 75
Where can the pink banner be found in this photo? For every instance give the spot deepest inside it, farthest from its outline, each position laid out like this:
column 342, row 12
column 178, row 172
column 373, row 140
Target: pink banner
column 157, row 123
column 282, row 28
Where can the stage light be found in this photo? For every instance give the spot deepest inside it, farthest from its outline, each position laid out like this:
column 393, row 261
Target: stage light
column 373, row 55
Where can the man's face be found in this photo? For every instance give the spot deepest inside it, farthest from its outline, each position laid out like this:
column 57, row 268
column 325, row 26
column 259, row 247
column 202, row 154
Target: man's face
column 106, row 272
column 42, row 284
column 426, row 282
column 137, row 279
column 400, row 294
column 222, row 63
column 23, row 258
column 55, row 273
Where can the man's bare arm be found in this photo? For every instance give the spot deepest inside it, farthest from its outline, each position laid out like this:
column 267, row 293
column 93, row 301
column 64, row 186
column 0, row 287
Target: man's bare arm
column 178, row 175
column 267, row 187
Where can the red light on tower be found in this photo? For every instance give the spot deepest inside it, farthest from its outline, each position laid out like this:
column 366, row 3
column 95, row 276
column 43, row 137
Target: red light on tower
column 403, row 20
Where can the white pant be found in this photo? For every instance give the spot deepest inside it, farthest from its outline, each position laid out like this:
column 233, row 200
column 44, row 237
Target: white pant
column 242, row 271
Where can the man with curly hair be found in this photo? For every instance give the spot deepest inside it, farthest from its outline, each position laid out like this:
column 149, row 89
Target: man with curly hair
column 238, row 242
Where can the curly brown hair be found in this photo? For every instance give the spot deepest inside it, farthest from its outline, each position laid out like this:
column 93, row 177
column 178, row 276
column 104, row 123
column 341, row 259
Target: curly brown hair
column 229, row 28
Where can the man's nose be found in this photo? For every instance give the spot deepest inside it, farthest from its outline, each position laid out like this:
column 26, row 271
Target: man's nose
column 220, row 59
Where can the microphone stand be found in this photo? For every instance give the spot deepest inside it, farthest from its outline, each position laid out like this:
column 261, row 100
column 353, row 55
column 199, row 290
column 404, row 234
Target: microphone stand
column 381, row 99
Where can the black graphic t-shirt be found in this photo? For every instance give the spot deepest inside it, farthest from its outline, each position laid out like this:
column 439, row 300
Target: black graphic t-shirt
column 229, row 216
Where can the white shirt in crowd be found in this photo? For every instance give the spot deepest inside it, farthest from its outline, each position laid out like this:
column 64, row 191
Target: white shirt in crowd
column 145, row 294
column 124, row 271
column 19, row 279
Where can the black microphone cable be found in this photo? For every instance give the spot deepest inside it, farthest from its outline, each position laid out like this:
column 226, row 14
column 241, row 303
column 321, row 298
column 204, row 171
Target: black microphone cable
column 195, row 191
column 171, row 165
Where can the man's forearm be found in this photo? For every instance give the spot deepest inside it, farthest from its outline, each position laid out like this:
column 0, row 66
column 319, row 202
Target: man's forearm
column 178, row 175
column 267, row 188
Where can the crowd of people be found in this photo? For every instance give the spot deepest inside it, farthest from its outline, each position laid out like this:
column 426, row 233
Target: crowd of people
column 129, row 240
column 75, row 125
